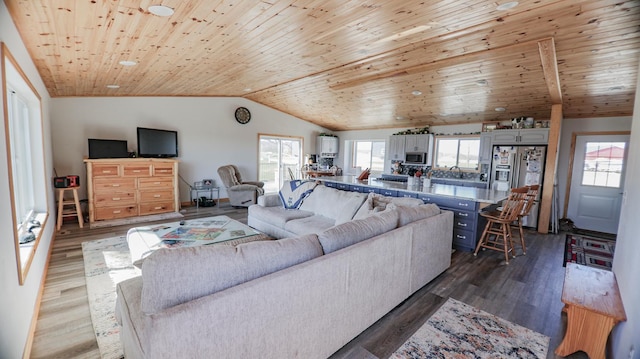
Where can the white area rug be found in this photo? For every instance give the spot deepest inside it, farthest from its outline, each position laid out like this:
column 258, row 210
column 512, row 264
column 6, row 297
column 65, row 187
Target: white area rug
column 457, row 330
column 106, row 263
column 134, row 220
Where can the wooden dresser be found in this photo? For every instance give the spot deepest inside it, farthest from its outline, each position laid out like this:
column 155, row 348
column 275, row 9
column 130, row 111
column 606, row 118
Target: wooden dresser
column 130, row 187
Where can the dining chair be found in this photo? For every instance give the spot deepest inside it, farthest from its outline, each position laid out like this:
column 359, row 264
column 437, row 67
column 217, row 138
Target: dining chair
column 530, row 200
column 497, row 232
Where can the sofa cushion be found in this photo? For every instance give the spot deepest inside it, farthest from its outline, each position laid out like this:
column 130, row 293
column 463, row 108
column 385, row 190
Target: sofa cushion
column 355, row 231
column 408, row 214
column 294, row 192
column 174, row 276
column 307, row 225
column 333, row 203
column 377, row 203
column 276, row 216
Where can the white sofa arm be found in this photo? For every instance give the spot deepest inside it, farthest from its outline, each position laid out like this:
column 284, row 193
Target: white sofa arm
column 270, row 200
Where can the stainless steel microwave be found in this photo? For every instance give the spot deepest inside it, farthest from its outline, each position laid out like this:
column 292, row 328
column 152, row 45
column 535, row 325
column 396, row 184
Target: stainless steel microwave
column 415, row 158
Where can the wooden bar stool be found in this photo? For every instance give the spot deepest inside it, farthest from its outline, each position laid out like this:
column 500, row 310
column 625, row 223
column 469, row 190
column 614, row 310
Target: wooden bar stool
column 497, row 233
column 530, row 200
column 68, row 208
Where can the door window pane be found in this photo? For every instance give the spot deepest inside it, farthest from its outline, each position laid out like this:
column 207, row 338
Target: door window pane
column 603, row 163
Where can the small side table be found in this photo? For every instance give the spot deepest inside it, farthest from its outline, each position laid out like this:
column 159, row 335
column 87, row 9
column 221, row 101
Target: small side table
column 593, row 305
column 210, row 191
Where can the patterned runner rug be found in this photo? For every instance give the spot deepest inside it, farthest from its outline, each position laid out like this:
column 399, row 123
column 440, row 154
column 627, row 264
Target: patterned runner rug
column 107, row 262
column 589, row 250
column 457, row 330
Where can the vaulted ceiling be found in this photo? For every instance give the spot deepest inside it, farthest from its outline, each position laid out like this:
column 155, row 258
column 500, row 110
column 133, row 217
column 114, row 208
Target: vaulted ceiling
column 347, row 64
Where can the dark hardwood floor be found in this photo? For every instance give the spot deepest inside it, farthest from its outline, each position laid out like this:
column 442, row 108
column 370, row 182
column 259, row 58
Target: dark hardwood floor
column 526, row 292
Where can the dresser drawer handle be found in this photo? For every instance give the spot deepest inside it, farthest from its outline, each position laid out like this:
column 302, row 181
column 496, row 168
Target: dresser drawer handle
column 157, row 196
column 157, row 207
column 116, row 212
column 106, row 171
column 157, row 182
column 116, row 198
column 461, row 237
column 463, row 204
column 462, row 224
column 136, row 171
column 115, row 185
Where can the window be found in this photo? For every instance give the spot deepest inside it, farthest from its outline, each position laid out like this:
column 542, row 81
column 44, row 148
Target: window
column 368, row 154
column 25, row 161
column 603, row 164
column 457, row 151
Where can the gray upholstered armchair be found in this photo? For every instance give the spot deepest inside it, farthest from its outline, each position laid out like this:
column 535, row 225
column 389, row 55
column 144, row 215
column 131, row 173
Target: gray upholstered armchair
column 241, row 194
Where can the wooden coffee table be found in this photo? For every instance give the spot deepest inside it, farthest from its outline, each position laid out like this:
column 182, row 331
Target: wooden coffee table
column 194, row 232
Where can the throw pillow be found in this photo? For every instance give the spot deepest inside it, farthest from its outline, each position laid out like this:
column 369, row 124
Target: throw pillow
column 408, row 214
column 294, row 192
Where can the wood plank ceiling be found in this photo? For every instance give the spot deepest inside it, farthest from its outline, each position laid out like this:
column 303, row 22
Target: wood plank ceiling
column 347, row 65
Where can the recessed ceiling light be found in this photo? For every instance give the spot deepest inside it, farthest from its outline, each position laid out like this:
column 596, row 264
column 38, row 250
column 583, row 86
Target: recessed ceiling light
column 615, row 88
column 482, row 82
column 507, row 6
column 248, row 89
column 113, row 86
column 399, row 118
column 416, row 92
column 128, row 63
column 500, row 109
column 160, row 10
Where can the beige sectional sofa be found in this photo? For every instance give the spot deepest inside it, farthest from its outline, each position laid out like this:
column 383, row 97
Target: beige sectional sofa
column 324, row 208
column 305, row 296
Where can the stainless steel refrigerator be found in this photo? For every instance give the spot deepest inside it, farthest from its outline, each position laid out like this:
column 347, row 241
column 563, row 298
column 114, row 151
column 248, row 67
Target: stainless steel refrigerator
column 517, row 166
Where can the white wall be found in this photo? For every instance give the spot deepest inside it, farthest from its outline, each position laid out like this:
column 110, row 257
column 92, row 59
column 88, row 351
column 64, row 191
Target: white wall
column 626, row 266
column 17, row 302
column 570, row 126
column 208, row 134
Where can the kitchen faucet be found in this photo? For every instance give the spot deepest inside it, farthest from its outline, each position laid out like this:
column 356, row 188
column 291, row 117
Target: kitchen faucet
column 459, row 170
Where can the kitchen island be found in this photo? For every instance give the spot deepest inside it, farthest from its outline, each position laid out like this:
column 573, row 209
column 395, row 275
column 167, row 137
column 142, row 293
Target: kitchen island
column 465, row 202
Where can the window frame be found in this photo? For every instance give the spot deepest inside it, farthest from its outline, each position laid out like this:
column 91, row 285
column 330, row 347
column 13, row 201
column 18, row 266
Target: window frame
column 16, row 85
column 458, row 138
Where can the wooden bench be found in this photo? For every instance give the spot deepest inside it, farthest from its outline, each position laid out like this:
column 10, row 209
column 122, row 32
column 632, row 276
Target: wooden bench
column 593, row 305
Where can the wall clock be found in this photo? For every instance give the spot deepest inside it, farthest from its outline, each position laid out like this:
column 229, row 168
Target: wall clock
column 243, row 115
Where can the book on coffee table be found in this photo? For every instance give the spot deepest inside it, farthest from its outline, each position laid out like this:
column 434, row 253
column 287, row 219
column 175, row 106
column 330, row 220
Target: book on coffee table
column 193, row 234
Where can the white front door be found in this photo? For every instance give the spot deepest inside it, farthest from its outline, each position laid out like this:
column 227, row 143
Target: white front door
column 597, row 182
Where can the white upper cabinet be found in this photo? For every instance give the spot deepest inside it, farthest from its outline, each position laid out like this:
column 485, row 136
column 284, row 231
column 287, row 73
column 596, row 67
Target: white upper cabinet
column 327, row 146
column 486, row 147
column 396, row 148
column 521, row 137
column 416, row 143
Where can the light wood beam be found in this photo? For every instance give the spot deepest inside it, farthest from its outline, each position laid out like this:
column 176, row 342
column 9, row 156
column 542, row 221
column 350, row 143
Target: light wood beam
column 550, row 168
column 451, row 61
column 549, row 61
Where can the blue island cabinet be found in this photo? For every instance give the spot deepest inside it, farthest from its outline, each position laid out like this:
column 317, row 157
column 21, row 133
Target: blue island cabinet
column 467, row 223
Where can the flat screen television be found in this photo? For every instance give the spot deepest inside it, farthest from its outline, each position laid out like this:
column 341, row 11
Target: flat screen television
column 99, row 148
column 157, row 143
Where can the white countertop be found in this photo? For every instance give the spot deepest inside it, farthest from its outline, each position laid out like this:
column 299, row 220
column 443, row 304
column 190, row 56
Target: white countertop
column 470, row 193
